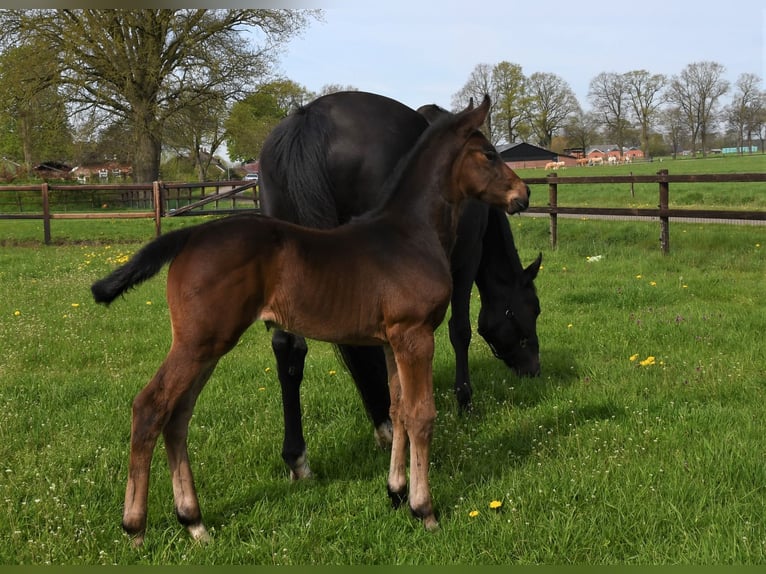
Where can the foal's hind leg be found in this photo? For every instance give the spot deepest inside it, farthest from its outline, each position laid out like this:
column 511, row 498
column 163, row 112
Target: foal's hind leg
column 178, row 381
column 175, row 434
column 290, row 353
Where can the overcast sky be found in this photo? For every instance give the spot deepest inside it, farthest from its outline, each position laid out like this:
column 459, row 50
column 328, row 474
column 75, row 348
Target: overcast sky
column 424, row 51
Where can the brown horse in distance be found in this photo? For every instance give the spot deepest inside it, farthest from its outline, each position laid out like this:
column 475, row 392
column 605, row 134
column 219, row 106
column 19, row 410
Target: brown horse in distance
column 382, row 279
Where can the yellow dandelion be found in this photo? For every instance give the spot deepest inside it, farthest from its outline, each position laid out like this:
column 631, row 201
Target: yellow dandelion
column 639, row 276
column 75, row 304
column 267, row 370
column 653, row 283
column 473, row 513
column 570, row 326
column 495, row 504
column 633, row 357
column 148, row 302
column 261, row 388
column 17, row 312
column 648, row 361
column 331, row 372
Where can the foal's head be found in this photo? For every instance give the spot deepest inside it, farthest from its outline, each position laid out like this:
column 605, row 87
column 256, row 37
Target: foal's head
column 480, row 172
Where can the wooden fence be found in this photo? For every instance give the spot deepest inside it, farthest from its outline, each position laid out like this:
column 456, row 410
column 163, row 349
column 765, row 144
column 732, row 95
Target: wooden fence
column 663, row 212
column 158, row 200
column 123, row 201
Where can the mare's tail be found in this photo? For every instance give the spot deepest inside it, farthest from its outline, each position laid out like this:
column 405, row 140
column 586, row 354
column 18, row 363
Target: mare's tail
column 146, row 263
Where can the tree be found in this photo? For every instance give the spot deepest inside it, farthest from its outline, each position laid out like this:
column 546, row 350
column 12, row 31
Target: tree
column 479, row 83
column 696, row 91
column 581, row 129
column 148, row 65
column 509, row 87
column 644, row 93
column 742, row 112
column 552, row 101
column 675, row 125
column 32, row 109
column 609, row 97
column 251, row 119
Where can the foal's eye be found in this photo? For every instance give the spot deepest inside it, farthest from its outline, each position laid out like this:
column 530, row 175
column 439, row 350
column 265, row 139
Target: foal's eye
column 523, row 343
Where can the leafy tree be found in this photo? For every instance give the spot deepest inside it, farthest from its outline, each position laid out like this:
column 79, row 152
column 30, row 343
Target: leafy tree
column 552, row 102
column 251, row 119
column 696, row 92
column 32, row 111
column 509, row 86
column 581, row 129
column 146, row 66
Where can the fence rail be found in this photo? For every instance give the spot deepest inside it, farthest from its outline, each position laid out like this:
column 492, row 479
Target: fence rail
column 156, row 200
column 663, row 212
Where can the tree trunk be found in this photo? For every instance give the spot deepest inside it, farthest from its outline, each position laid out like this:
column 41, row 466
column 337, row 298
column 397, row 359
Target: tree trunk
column 148, row 147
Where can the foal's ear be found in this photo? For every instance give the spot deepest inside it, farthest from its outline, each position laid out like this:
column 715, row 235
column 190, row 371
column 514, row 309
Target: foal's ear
column 473, row 118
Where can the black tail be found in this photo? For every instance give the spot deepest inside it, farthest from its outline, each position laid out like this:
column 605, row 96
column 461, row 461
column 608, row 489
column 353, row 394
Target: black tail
column 142, row 266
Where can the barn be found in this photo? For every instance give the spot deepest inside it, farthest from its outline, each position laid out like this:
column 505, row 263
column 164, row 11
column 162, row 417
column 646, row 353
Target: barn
column 525, row 155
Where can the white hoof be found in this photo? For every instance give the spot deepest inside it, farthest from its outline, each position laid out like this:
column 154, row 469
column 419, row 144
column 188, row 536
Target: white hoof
column 199, row 533
column 384, row 435
column 301, row 469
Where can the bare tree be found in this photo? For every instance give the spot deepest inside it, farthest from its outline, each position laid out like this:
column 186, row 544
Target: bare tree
column 552, row 101
column 509, row 87
column 673, row 120
column 147, row 65
column 696, row 91
column 608, row 95
column 644, row 93
column 581, row 129
column 744, row 108
column 479, row 83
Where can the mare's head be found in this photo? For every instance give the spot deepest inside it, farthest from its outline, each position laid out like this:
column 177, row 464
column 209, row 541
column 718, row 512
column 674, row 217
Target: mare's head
column 509, row 324
column 480, row 172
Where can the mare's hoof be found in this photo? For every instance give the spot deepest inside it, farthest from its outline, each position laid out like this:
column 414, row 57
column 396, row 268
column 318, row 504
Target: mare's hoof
column 199, row 533
column 430, row 524
column 300, row 470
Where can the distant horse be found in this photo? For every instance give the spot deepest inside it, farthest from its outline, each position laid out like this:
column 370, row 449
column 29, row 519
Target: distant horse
column 382, row 279
column 327, row 163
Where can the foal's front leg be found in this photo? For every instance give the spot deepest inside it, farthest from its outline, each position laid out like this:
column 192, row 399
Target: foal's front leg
column 413, row 412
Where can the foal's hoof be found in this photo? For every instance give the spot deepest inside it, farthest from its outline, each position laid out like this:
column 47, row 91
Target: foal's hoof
column 430, row 523
column 199, row 533
column 397, row 498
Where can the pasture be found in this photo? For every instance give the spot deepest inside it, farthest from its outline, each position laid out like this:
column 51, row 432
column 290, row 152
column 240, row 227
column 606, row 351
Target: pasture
column 640, row 443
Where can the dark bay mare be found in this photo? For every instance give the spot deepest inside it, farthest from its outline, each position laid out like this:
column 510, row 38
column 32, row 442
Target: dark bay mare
column 326, row 164
column 382, row 279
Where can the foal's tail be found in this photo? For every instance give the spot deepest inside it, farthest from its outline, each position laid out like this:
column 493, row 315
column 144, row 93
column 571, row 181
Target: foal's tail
column 146, row 263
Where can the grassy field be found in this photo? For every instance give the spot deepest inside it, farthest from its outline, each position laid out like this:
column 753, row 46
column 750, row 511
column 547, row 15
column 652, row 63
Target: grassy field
column 641, row 442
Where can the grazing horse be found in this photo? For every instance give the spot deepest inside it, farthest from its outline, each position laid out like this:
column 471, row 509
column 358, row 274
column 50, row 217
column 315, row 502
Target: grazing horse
column 327, row 163
column 382, row 279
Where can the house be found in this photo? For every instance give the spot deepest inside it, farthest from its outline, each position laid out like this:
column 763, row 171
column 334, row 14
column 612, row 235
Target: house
column 525, row 155
column 101, row 172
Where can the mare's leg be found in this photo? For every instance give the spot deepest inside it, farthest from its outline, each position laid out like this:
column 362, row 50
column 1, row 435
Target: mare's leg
column 290, row 353
column 413, row 352
column 367, row 366
column 177, row 382
column 460, row 330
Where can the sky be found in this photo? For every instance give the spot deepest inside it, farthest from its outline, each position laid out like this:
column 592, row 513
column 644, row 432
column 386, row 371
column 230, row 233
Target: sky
column 422, row 52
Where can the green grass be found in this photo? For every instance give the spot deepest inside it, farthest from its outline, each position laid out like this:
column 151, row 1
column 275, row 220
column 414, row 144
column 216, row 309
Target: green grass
column 598, row 461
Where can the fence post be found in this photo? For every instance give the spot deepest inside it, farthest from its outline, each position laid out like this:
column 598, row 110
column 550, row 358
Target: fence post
column 664, row 219
column 157, row 194
column 553, row 203
column 46, row 214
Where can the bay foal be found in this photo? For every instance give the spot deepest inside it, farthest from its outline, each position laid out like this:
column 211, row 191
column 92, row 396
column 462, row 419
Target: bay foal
column 382, row 279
